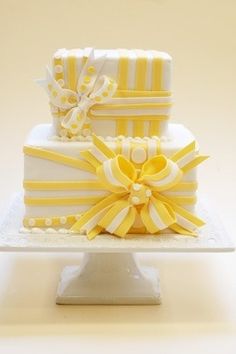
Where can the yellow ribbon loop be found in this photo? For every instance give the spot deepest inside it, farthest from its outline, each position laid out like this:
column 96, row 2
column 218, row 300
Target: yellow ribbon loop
column 119, row 219
column 136, row 196
column 157, row 216
column 117, row 174
column 160, row 173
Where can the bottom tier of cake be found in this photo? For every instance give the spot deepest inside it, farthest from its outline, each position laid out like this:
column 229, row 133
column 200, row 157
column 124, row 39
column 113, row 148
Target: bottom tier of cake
column 147, row 181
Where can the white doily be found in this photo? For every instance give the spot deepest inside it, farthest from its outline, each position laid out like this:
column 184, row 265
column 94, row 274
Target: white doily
column 212, row 237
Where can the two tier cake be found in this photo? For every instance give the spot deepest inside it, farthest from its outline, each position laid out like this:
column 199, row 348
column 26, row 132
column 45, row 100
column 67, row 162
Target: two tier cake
column 111, row 162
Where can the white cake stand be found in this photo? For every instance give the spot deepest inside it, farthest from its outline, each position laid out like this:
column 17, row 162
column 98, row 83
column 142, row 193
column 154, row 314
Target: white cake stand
column 109, row 273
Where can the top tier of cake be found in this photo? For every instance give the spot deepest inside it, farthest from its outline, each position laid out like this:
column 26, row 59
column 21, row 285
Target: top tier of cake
column 109, row 92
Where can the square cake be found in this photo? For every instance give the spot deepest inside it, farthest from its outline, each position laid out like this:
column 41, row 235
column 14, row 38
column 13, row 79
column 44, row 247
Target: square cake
column 111, row 162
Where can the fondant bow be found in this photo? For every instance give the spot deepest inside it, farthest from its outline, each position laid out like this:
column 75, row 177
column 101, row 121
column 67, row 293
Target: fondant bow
column 132, row 195
column 91, row 89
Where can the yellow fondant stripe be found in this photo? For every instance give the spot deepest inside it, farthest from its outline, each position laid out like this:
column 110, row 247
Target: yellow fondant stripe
column 87, row 155
column 55, row 221
column 154, row 127
column 159, row 151
column 121, row 127
column 63, row 201
column 141, row 70
column 72, row 72
column 145, row 117
column 183, row 212
column 143, row 93
column 189, row 166
column 183, row 152
column 58, row 158
column 115, row 106
column 115, row 209
column 94, row 232
column 138, row 128
column 123, row 73
column 125, row 226
column 138, row 230
column 184, row 186
column 157, row 71
column 86, row 126
column 94, row 210
column 61, row 185
column 118, row 147
column 103, row 147
column 147, row 220
column 182, row 199
column 180, row 230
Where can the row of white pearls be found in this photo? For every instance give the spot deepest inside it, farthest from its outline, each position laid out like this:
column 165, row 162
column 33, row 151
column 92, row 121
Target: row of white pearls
column 137, row 187
column 49, row 221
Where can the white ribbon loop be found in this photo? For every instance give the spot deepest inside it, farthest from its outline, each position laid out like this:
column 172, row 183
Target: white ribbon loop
column 103, row 90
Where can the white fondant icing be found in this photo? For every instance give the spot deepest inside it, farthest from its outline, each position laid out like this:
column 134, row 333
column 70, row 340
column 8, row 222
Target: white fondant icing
column 138, row 155
column 152, row 147
column 126, row 149
column 50, row 230
column 42, row 170
column 36, row 230
column 132, row 67
column 149, row 71
column 63, row 231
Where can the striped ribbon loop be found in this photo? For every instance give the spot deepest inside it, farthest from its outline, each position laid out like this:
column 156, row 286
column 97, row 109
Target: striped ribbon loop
column 117, row 174
column 160, row 173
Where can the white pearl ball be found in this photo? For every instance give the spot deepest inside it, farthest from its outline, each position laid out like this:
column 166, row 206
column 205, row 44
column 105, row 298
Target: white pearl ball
column 136, row 187
column 48, row 221
column 31, row 222
column 135, row 200
column 148, row 193
column 63, row 220
column 139, row 155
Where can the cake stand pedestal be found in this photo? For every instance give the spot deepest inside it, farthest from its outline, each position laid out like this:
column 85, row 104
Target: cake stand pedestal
column 107, row 278
column 109, row 272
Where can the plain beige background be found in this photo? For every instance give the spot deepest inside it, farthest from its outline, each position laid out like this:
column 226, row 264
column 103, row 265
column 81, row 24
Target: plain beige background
column 199, row 310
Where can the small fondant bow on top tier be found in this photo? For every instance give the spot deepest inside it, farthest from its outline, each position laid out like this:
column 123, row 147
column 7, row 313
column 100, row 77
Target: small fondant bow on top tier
column 92, row 88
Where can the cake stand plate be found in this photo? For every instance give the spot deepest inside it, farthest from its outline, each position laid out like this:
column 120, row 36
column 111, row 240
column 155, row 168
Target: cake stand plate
column 109, row 273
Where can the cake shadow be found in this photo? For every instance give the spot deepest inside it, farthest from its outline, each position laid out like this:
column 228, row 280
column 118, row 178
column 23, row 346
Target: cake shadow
column 189, row 284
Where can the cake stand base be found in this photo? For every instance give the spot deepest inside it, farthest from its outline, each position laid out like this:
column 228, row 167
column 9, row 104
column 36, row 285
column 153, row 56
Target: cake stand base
column 109, row 273
column 109, row 278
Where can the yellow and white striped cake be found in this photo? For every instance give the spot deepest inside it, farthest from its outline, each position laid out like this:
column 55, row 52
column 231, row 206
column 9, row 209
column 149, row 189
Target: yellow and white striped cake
column 140, row 105
column 110, row 163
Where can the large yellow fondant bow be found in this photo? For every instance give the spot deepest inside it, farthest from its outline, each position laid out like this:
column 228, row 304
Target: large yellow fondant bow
column 91, row 89
column 135, row 194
